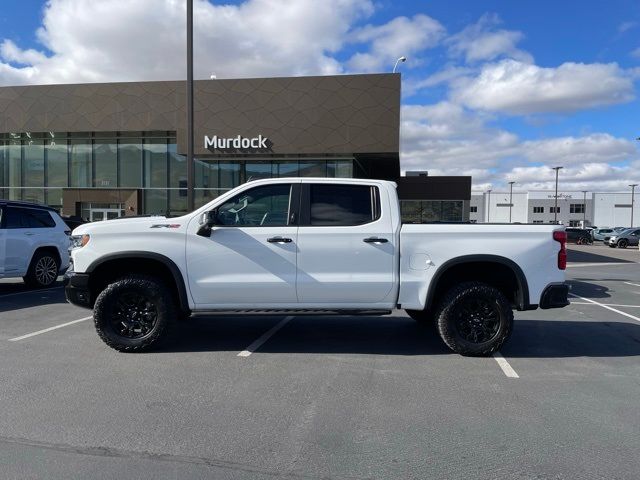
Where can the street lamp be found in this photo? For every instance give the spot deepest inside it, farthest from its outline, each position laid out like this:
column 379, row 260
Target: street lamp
column 489, row 205
column 633, row 189
column 555, row 207
column 510, row 198
column 401, row 59
column 584, row 208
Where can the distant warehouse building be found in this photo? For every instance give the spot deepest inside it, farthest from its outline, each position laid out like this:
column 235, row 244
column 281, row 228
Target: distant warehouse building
column 573, row 208
column 105, row 150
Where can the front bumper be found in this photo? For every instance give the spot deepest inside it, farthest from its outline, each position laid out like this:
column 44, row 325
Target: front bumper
column 76, row 289
column 555, row 296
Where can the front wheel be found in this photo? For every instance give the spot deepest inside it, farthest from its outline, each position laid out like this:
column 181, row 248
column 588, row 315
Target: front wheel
column 623, row 243
column 474, row 319
column 134, row 313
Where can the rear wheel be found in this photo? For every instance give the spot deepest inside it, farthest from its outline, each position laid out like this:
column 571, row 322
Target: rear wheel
column 134, row 313
column 420, row 316
column 474, row 319
column 623, row 243
column 43, row 270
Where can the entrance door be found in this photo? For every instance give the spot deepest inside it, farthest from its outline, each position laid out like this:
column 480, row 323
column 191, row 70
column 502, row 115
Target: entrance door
column 249, row 260
column 97, row 214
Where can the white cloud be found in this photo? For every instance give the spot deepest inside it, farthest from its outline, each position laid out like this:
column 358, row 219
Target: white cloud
column 636, row 53
column 447, row 139
column 482, row 41
column 519, row 88
column 401, row 36
column 145, row 40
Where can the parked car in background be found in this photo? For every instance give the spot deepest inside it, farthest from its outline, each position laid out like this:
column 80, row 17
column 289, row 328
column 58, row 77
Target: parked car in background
column 74, row 221
column 616, row 230
column 580, row 236
column 601, row 233
column 626, row 238
column 34, row 243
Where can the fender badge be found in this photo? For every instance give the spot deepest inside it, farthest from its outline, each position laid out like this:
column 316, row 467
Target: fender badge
column 166, row 225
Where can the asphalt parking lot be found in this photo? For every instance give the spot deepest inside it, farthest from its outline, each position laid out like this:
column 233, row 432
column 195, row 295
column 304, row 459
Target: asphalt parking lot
column 250, row 397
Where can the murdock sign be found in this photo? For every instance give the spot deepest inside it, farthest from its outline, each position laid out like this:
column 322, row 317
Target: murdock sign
column 239, row 142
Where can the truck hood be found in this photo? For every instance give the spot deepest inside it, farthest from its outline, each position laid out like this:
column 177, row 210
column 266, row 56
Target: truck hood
column 131, row 224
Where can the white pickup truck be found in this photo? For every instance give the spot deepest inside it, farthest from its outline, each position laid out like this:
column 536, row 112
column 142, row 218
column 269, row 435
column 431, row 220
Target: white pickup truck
column 313, row 245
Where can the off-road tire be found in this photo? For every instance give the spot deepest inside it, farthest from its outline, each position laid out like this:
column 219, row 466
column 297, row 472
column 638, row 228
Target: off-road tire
column 43, row 270
column 157, row 295
column 623, row 243
column 449, row 313
column 423, row 317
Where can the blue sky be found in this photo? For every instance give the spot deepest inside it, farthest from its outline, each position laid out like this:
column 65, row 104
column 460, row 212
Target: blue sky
column 497, row 89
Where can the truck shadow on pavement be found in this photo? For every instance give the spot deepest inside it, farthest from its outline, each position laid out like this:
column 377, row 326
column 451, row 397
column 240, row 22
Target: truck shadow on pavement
column 588, row 289
column 399, row 336
column 16, row 296
column 579, row 256
column 557, row 339
column 309, row 334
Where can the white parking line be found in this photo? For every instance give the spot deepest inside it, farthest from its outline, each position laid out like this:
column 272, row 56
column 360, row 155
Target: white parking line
column 637, row 319
column 255, row 345
column 505, row 366
column 603, row 264
column 30, row 291
column 607, row 304
column 39, row 332
column 634, row 284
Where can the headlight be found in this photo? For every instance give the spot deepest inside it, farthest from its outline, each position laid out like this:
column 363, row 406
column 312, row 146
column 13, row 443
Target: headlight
column 79, row 241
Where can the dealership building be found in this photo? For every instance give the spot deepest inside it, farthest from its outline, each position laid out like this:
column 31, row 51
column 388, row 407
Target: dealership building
column 104, row 150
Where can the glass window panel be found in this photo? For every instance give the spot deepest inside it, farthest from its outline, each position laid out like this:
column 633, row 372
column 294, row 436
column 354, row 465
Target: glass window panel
column 204, row 196
column 53, row 197
column 33, row 164
column 155, row 163
column 35, row 195
column 431, row 211
column 206, row 173
column 4, row 168
column 344, row 169
column 228, row 174
column 312, row 168
column 14, row 157
column 80, row 172
column 130, row 151
column 56, row 158
column 261, row 206
column 451, row 211
column 411, row 211
column 105, row 152
column 340, row 205
column 255, row 170
column 177, row 179
column 155, row 201
column 286, row 168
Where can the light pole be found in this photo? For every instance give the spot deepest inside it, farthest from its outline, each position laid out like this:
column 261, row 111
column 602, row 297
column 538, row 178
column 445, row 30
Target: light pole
column 510, row 198
column 555, row 207
column 401, row 59
column 584, row 208
column 489, row 205
column 633, row 189
column 190, row 166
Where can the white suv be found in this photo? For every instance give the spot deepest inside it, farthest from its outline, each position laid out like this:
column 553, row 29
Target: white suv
column 34, row 243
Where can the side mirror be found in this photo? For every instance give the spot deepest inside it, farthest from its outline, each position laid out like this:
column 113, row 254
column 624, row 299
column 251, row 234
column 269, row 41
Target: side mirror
column 207, row 221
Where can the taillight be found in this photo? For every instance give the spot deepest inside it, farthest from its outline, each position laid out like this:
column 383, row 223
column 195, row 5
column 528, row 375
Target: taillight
column 561, row 236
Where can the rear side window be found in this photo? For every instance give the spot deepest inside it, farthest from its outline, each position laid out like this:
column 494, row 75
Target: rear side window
column 28, row 218
column 342, row 205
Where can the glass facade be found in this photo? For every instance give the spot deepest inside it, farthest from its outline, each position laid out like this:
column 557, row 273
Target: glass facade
column 38, row 166
column 423, row 211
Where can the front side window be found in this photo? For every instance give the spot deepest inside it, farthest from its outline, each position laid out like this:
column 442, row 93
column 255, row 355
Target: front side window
column 266, row 206
column 342, row 205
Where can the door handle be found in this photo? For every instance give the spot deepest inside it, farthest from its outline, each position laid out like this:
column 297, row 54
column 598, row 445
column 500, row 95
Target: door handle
column 375, row 240
column 29, row 233
column 279, row 240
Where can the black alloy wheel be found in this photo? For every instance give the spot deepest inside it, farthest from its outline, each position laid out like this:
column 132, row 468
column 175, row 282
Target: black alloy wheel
column 477, row 319
column 623, row 243
column 474, row 319
column 134, row 313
